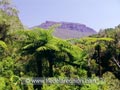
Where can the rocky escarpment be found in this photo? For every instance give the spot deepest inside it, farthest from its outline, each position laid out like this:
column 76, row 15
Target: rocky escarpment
column 68, row 30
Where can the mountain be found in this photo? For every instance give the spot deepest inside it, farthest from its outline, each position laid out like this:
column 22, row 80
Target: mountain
column 67, row 30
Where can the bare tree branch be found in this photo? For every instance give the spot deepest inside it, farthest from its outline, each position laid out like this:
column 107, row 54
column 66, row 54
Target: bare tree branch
column 116, row 62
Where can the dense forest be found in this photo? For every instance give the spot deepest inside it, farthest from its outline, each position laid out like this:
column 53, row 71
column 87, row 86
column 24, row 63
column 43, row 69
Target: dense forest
column 26, row 53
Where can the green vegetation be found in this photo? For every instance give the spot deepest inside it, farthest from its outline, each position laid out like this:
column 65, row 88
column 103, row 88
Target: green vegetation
column 37, row 53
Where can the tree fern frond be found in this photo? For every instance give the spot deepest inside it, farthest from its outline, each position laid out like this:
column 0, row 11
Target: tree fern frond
column 42, row 48
column 29, row 46
column 52, row 47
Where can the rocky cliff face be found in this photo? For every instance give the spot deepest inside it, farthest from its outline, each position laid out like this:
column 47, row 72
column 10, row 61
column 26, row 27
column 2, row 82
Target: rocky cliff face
column 68, row 30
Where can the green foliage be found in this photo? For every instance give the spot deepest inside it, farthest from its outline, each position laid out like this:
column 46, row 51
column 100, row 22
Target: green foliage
column 2, row 83
column 90, row 87
column 3, row 45
column 59, row 87
column 31, row 53
column 112, row 83
column 3, row 49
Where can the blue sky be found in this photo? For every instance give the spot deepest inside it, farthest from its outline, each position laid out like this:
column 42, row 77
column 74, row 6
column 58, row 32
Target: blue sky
column 97, row 14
